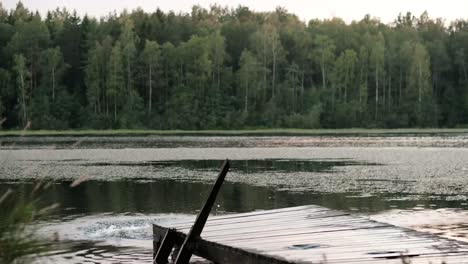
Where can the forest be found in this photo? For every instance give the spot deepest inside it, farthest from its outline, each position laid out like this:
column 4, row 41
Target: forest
column 229, row 68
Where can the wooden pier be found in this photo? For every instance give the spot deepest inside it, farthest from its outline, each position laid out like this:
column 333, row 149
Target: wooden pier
column 313, row 234
column 304, row 234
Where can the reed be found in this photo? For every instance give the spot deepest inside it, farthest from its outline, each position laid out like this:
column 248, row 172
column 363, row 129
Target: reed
column 19, row 242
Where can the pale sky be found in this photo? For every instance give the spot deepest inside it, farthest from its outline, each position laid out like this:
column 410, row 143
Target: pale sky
column 349, row 10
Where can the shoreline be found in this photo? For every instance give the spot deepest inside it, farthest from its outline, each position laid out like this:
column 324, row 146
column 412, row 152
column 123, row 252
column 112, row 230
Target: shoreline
column 246, row 132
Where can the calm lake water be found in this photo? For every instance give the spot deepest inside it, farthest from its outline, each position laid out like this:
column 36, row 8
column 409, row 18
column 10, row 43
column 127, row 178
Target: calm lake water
column 130, row 182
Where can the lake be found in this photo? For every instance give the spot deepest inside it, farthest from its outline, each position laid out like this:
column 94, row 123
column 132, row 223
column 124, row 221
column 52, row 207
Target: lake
column 129, row 182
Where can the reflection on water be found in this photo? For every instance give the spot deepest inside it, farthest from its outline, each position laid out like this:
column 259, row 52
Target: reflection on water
column 95, row 252
column 170, row 196
column 145, row 195
column 241, row 166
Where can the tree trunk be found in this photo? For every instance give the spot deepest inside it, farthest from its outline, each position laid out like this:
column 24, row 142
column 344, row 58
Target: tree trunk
column 264, row 71
column 294, row 106
column 399, row 88
column 419, row 89
column 31, row 81
column 23, row 95
column 389, row 92
column 98, row 100
column 361, row 77
column 323, row 75
column 464, row 71
column 218, row 73
column 150, row 96
column 115, row 109
column 274, row 76
column 376, row 90
column 53, row 83
column 346, row 86
column 128, row 73
column 302, row 91
column 333, row 87
column 246, row 95
column 384, row 92
column 107, row 102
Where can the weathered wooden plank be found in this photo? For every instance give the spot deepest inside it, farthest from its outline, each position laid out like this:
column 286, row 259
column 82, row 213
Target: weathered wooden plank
column 307, row 234
column 341, row 235
column 275, row 224
column 350, row 252
column 330, row 230
column 216, row 221
column 426, row 259
column 362, row 245
column 271, row 246
column 283, row 221
column 219, row 253
column 271, row 225
column 259, row 212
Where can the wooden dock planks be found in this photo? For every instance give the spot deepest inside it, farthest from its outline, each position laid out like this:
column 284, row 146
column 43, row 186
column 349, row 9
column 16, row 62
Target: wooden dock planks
column 314, row 234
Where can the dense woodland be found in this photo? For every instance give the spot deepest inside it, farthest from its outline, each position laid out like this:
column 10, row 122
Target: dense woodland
column 229, row 69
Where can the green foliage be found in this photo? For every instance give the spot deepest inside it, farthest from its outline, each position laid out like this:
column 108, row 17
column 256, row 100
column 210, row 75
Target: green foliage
column 309, row 120
column 225, row 69
column 18, row 241
column 181, row 108
column 132, row 112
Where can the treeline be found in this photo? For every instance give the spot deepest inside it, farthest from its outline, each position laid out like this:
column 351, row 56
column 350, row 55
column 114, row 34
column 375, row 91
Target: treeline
column 229, row 68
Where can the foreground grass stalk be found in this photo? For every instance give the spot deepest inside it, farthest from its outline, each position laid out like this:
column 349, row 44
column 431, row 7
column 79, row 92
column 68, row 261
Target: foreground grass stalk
column 18, row 241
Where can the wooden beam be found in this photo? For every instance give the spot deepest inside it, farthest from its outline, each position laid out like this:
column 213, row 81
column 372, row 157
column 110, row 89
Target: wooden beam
column 185, row 253
column 219, row 253
column 165, row 247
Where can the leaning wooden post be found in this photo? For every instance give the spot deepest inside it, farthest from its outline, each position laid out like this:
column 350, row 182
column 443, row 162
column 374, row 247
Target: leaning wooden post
column 165, row 248
column 185, row 252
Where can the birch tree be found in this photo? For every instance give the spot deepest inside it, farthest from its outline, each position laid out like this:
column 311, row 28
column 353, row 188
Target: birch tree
column 324, row 56
column 116, row 78
column 378, row 62
column 53, row 68
column 151, row 57
column 93, row 77
column 21, row 77
column 248, row 77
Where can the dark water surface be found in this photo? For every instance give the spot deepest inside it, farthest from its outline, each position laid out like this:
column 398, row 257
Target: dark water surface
column 131, row 183
column 153, row 196
column 244, row 141
column 169, row 196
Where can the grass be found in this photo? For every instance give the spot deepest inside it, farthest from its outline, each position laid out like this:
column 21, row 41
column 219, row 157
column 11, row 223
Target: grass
column 254, row 132
column 18, row 241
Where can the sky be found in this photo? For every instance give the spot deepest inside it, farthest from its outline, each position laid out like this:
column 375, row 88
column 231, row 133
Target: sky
column 349, row 10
